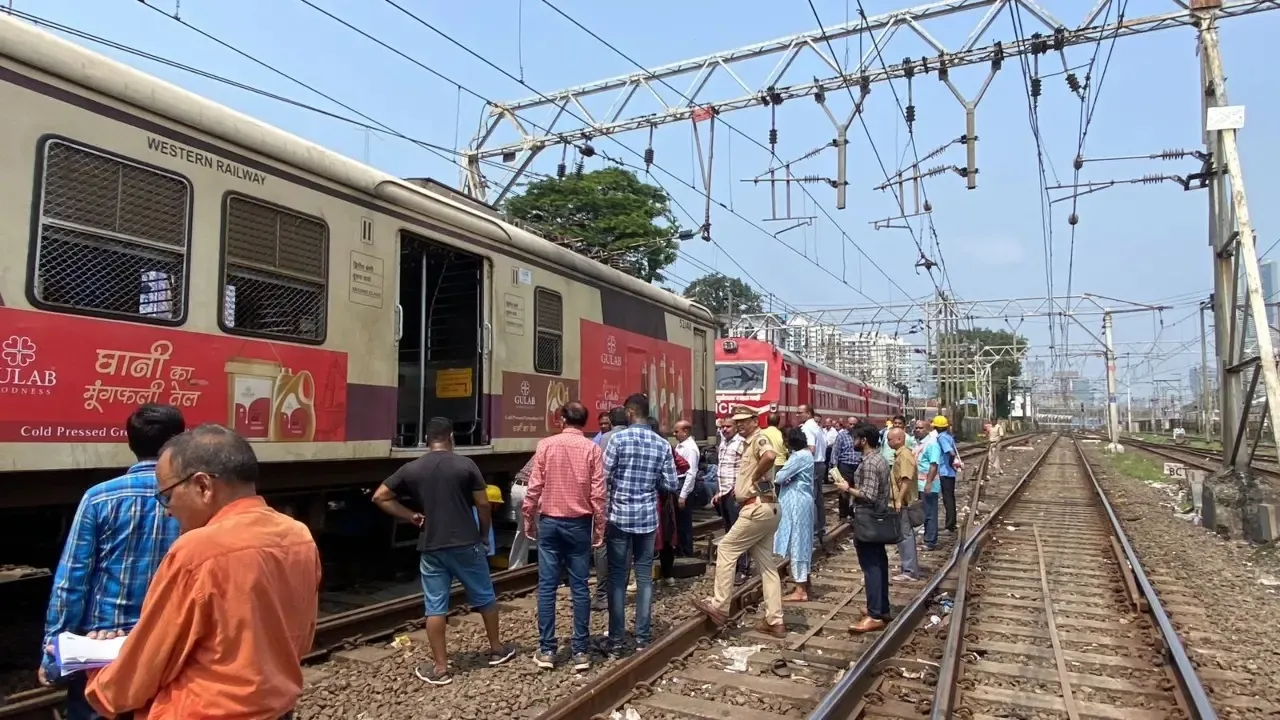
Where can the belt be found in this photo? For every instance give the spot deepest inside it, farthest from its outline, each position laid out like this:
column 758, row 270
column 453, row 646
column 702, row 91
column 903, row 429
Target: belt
column 764, row 499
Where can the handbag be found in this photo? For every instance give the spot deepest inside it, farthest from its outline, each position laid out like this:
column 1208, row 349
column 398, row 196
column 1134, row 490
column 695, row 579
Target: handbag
column 915, row 513
column 877, row 525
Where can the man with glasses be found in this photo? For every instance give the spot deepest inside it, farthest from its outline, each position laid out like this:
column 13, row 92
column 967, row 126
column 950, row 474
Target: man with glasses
column 116, row 541
column 232, row 608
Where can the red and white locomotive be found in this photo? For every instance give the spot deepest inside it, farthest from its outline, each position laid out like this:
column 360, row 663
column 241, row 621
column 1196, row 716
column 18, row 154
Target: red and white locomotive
column 767, row 378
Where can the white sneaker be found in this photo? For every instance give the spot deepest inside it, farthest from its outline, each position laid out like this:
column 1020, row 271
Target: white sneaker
column 669, row 582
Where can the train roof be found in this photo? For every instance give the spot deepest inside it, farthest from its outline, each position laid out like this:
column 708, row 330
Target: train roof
column 817, row 367
column 83, row 67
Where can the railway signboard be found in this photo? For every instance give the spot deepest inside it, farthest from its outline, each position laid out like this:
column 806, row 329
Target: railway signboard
column 1175, row 470
column 66, row 379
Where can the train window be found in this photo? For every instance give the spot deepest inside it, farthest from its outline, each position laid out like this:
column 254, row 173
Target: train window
column 275, row 271
column 548, row 342
column 111, row 237
column 740, row 377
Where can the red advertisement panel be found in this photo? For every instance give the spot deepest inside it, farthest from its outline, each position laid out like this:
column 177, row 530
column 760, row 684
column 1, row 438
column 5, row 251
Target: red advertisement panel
column 616, row 363
column 530, row 405
column 73, row 379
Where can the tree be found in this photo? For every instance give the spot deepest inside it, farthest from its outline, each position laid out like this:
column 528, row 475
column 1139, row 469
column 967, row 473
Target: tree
column 610, row 211
column 971, row 343
column 724, row 296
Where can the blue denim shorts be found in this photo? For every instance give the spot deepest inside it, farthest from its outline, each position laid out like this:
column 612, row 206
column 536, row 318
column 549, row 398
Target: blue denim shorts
column 469, row 565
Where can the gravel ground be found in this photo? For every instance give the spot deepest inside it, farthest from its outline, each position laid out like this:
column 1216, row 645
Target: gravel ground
column 1236, row 649
column 387, row 687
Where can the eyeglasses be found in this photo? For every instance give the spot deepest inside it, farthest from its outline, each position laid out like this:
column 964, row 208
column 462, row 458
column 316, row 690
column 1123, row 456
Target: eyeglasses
column 164, row 497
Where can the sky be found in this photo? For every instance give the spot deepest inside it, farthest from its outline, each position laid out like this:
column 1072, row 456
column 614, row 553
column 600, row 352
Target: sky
column 1135, row 243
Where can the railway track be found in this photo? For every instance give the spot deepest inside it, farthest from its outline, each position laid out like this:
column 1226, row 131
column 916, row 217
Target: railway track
column 1053, row 616
column 1207, row 460
column 684, row 675
column 379, row 621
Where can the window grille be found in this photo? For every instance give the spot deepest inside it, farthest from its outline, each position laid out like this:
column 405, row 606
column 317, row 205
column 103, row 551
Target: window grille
column 112, row 236
column 276, row 272
column 548, row 320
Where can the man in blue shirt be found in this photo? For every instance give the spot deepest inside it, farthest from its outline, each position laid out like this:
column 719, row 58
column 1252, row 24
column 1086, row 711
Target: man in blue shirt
column 927, row 482
column 947, row 469
column 637, row 461
column 116, row 541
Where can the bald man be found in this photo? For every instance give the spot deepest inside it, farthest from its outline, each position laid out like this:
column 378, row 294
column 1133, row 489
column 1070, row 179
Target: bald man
column 687, row 449
column 905, row 491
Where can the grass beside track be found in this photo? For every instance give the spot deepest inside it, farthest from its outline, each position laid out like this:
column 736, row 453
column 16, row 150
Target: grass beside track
column 1137, row 466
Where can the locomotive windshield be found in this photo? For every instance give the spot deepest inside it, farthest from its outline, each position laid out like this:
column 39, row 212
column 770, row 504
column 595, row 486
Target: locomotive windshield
column 740, row 378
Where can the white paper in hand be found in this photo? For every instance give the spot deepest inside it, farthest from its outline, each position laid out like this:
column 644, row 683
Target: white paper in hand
column 77, row 652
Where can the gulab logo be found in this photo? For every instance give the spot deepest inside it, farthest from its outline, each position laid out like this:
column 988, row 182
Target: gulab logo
column 609, row 357
column 524, row 398
column 18, row 354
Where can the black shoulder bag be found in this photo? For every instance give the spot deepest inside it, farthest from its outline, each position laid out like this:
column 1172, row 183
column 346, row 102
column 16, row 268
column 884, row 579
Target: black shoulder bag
column 876, row 524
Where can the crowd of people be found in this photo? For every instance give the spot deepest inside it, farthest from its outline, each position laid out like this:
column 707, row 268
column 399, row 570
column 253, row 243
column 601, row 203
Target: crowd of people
column 183, row 555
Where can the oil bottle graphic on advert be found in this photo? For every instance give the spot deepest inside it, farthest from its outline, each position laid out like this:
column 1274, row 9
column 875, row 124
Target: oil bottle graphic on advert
column 250, row 394
column 268, row 402
column 293, row 416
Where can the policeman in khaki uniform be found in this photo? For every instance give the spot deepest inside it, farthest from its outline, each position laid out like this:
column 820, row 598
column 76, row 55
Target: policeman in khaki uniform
column 753, row 533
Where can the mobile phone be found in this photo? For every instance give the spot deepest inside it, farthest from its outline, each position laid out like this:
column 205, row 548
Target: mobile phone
column 765, row 487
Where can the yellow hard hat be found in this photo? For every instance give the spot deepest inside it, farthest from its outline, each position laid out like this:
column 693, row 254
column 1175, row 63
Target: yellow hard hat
column 494, row 493
column 940, row 421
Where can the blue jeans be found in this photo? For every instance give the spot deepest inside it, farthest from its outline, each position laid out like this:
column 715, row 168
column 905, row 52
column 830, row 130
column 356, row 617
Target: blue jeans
column 563, row 542
column 930, row 518
column 638, row 547
column 469, row 565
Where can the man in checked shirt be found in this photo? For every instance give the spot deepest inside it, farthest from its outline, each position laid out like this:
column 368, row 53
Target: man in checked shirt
column 116, row 541
column 637, row 462
column 564, row 510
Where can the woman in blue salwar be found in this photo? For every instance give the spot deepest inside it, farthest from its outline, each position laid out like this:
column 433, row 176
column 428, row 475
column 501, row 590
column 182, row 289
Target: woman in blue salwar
column 794, row 538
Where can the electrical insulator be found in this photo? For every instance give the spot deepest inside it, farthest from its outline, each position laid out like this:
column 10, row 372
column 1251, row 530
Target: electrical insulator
column 1073, row 82
column 648, row 156
column 1072, row 219
column 1078, row 163
column 1035, row 87
column 560, row 170
column 911, row 114
column 773, row 136
column 577, row 170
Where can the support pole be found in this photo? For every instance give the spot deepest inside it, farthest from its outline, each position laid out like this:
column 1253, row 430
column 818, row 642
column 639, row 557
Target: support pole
column 1245, row 246
column 1206, row 417
column 1113, row 412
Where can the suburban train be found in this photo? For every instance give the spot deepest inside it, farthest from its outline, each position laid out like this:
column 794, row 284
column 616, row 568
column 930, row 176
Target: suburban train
column 766, row 378
column 159, row 247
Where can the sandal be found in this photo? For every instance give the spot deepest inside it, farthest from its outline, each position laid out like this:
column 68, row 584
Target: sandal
column 780, row 668
column 429, row 674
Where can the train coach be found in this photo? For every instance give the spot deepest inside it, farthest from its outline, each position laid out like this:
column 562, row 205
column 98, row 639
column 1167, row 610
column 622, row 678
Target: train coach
column 159, row 247
column 769, row 379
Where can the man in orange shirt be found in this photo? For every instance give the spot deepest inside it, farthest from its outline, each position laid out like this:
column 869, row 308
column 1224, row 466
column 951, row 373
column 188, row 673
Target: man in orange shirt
column 232, row 607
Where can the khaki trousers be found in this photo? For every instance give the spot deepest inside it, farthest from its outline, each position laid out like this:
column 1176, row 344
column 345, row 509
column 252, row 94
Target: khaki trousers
column 751, row 534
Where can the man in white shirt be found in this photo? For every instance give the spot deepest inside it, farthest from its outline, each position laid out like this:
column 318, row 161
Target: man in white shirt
column 817, row 440
column 726, row 503
column 687, row 449
column 995, row 433
column 831, row 431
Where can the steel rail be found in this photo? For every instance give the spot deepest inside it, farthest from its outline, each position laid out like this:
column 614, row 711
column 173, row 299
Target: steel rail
column 1188, row 680
column 840, row 702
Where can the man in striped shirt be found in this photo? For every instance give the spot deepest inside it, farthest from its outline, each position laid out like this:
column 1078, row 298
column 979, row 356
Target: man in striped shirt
column 726, row 477
column 564, row 509
column 118, row 537
column 637, row 461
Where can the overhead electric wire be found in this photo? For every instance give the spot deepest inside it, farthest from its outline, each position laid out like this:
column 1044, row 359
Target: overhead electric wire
column 372, row 125
column 516, row 79
column 845, row 235
column 1092, row 92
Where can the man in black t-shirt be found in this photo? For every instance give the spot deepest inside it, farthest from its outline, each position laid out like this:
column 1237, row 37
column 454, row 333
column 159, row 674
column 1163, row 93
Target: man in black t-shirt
column 447, row 486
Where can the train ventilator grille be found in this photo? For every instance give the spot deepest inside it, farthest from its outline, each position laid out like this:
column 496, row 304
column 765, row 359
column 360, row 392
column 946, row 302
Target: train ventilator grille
column 112, row 235
column 276, row 271
column 548, row 318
